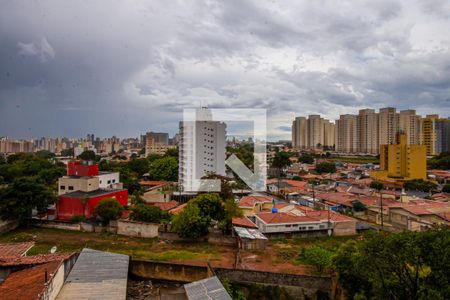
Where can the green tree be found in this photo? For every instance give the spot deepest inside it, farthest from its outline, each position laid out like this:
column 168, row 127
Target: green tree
column 446, row 188
column 172, row 152
column 140, row 166
column 442, row 161
column 318, row 257
column 87, row 155
column 24, row 194
column 45, row 154
column 231, row 210
column 420, row 185
column 210, row 206
column 281, row 160
column 407, row 265
column 306, row 158
column 109, row 209
column 325, row 167
column 376, row 185
column 165, row 168
column 148, row 213
column 67, row 152
column 190, row 223
column 129, row 179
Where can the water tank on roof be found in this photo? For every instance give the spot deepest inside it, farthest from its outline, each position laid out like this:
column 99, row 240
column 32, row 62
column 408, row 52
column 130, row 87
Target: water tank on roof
column 274, row 210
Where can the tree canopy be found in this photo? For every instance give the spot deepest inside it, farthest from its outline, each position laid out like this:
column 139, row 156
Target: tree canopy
column 420, row 185
column 24, row 194
column 165, row 168
column 190, row 223
column 326, row 167
column 442, row 161
column 407, row 265
column 109, row 209
column 148, row 213
column 194, row 222
column 87, row 155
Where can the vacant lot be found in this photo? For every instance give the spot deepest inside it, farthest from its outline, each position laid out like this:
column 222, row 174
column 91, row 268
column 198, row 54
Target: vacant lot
column 74, row 241
column 281, row 255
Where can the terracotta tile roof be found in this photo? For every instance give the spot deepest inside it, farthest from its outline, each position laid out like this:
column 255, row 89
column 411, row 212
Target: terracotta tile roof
column 243, row 222
column 334, row 216
column 15, row 250
column 28, row 283
column 250, row 201
column 283, row 218
column 311, row 216
column 178, row 209
column 34, row 259
column 166, row 206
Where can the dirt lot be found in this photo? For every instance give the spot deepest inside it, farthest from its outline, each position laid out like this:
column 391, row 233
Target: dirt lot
column 280, row 255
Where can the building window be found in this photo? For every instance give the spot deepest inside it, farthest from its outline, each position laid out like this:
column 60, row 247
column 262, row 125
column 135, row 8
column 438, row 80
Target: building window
column 70, row 188
column 109, row 181
column 113, row 181
column 63, row 187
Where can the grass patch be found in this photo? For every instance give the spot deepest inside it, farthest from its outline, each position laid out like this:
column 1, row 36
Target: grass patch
column 143, row 248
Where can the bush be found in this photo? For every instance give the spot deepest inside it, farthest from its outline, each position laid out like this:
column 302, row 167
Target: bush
column 148, row 213
column 190, row 222
column 317, row 256
column 78, row 218
column 420, row 185
column 109, row 209
column 325, row 167
column 446, row 188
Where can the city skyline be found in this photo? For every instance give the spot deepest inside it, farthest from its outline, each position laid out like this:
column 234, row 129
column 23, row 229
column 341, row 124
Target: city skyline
column 114, row 69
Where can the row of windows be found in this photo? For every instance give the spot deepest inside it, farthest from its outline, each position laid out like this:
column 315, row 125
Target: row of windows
column 70, row 188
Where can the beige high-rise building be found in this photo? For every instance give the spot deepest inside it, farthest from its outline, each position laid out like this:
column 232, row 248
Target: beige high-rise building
column 329, row 137
column 368, row 139
column 409, row 124
column 347, row 134
column 299, row 133
column 315, row 131
column 388, row 126
column 312, row 132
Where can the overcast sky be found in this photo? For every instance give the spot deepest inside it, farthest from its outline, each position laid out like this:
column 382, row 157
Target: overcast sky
column 124, row 67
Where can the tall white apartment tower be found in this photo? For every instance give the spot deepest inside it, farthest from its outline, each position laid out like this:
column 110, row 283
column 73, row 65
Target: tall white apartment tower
column 202, row 149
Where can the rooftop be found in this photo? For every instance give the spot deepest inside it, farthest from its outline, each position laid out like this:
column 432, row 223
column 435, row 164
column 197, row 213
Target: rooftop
column 243, row 222
column 15, row 250
column 250, row 201
column 97, row 275
column 33, row 260
column 209, row 288
column 28, row 283
column 96, row 193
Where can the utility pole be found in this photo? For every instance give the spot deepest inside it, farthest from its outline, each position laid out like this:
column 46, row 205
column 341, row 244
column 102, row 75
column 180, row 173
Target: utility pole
column 381, row 208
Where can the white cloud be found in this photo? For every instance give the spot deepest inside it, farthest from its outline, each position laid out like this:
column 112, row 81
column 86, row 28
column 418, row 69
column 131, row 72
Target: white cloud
column 43, row 50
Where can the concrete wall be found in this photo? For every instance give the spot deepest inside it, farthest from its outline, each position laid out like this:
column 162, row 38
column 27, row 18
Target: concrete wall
column 167, row 271
column 56, row 224
column 344, row 228
column 55, row 285
column 138, row 229
column 298, row 286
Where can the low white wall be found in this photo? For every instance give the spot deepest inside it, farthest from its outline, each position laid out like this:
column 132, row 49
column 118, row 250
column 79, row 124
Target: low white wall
column 137, row 229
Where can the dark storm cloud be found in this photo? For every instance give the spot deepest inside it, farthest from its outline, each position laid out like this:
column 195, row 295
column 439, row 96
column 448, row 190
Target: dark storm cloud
column 126, row 67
